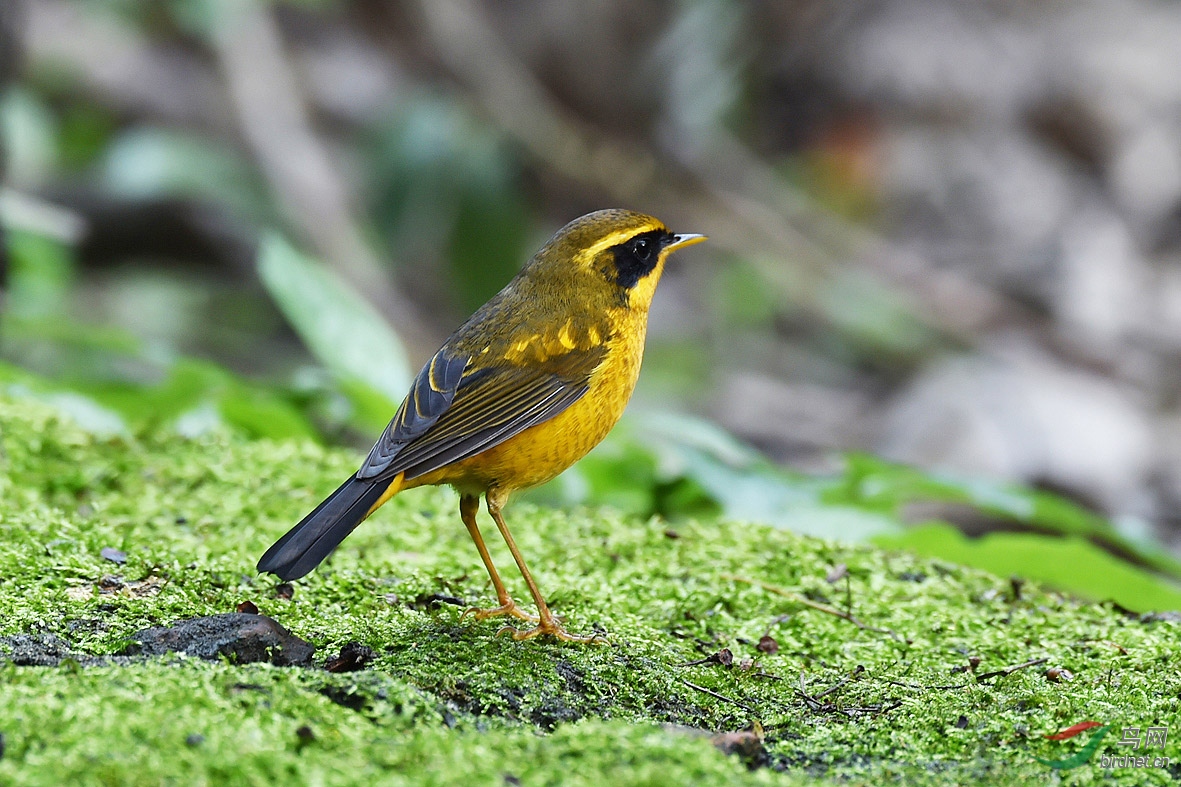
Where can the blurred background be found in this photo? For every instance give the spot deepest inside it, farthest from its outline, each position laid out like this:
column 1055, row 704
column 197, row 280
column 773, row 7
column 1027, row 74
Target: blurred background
column 945, row 235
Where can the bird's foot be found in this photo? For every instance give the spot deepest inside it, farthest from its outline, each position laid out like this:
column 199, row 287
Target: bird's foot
column 552, row 628
column 509, row 607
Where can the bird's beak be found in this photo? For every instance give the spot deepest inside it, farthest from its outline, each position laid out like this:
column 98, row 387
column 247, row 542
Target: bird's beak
column 681, row 241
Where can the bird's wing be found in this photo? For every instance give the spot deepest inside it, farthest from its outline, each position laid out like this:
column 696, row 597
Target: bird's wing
column 455, row 410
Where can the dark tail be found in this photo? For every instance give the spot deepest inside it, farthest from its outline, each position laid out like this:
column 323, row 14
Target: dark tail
column 321, row 531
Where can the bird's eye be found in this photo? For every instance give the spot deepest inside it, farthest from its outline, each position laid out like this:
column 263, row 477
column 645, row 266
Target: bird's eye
column 642, row 248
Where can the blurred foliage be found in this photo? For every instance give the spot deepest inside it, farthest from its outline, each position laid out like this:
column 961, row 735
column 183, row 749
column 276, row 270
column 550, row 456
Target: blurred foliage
column 339, row 327
column 653, row 464
column 152, row 162
column 111, row 381
column 434, row 166
column 127, row 341
column 1070, row 563
column 31, row 138
column 677, row 467
column 194, row 397
column 42, row 271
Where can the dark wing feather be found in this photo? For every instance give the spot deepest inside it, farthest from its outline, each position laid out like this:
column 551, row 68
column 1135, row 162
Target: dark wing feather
column 429, row 397
column 449, row 416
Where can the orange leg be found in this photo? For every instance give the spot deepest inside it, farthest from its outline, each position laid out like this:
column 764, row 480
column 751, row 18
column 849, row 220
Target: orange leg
column 548, row 623
column 468, row 506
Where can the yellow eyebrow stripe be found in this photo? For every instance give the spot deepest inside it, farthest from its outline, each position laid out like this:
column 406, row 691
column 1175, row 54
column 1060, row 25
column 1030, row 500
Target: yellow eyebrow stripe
column 617, row 237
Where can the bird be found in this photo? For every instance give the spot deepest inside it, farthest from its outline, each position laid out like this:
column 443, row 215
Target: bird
column 519, row 392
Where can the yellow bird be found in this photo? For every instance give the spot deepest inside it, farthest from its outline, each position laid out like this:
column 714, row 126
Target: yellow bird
column 521, row 391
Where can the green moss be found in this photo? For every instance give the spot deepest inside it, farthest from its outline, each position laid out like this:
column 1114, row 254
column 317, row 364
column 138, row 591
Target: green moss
column 446, row 701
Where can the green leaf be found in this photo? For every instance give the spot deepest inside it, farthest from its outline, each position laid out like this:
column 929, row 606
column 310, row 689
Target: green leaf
column 260, row 414
column 1071, row 563
column 877, row 483
column 678, row 467
column 154, row 162
column 83, row 410
column 1082, row 756
column 194, row 396
column 370, row 409
column 448, row 185
column 748, row 487
column 41, row 274
column 339, row 327
column 28, row 135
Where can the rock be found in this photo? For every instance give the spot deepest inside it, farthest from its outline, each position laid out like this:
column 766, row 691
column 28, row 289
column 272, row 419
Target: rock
column 241, row 637
column 35, row 650
column 1021, row 414
column 794, row 418
column 1102, row 288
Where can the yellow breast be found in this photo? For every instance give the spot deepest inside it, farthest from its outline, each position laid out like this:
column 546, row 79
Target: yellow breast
column 538, row 454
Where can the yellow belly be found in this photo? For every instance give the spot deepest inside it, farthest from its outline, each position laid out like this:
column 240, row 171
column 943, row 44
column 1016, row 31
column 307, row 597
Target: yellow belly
column 538, row 454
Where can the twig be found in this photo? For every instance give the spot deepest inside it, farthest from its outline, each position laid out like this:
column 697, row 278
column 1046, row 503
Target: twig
column 813, row 701
column 813, row 604
column 920, row 687
column 775, row 621
column 767, row 675
column 802, row 691
column 715, row 695
column 979, row 678
column 841, row 683
column 708, row 659
column 1010, row 670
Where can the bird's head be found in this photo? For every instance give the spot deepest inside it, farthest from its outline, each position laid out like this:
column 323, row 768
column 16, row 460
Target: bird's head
column 618, row 253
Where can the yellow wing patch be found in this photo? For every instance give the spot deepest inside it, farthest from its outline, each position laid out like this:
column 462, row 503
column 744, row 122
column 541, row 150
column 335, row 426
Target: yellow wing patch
column 540, row 347
column 564, row 336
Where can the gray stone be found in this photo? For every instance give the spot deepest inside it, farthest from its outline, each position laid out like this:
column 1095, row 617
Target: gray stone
column 241, row 637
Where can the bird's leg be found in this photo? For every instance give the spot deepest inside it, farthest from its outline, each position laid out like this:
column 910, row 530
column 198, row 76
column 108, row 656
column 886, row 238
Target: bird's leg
column 548, row 623
column 468, row 506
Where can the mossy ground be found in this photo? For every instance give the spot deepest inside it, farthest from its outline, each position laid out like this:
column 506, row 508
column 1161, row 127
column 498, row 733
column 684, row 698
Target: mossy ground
column 448, row 702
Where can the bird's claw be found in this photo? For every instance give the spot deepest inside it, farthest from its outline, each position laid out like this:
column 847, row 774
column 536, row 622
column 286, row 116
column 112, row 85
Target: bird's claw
column 555, row 630
column 508, row 608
